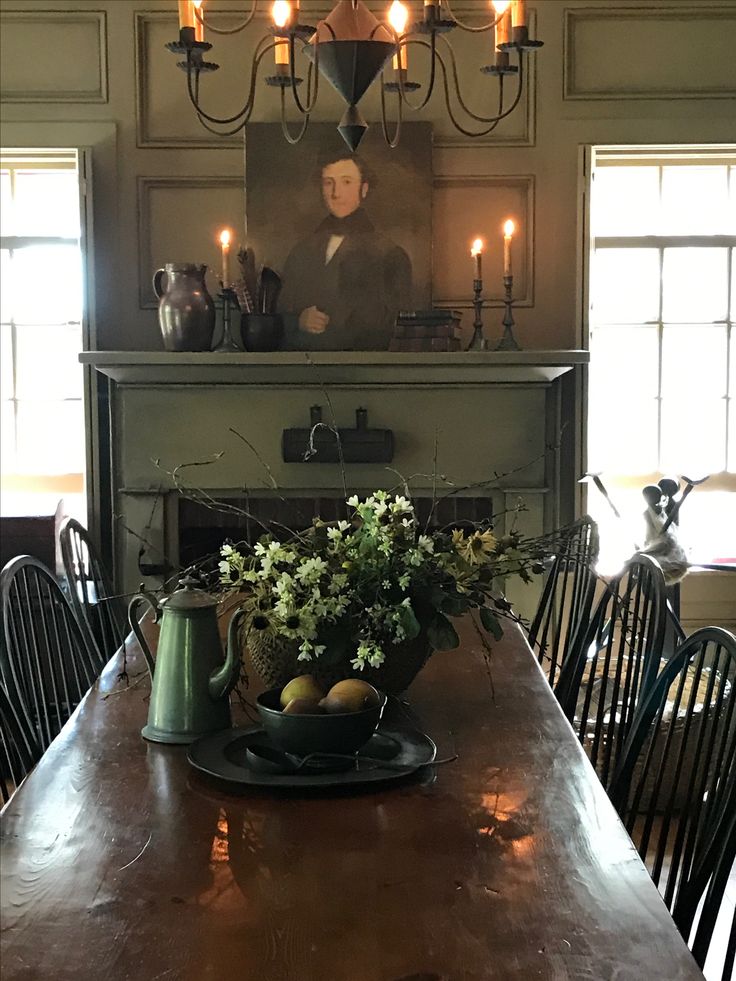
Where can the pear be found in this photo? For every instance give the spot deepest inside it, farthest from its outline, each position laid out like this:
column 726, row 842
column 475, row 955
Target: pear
column 303, row 706
column 304, row 686
column 351, row 695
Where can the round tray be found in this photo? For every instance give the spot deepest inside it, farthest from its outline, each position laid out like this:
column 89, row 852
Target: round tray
column 223, row 755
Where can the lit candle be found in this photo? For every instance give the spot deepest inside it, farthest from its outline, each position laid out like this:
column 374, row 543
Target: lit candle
column 508, row 234
column 281, row 13
column 503, row 25
column 476, row 251
column 198, row 24
column 398, row 17
column 186, row 14
column 225, row 247
column 518, row 13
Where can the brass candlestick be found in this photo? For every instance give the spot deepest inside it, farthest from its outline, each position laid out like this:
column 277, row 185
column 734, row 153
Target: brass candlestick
column 478, row 341
column 508, row 341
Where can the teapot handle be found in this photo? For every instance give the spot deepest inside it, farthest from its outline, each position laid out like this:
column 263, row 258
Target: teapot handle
column 143, row 597
column 225, row 679
column 157, row 277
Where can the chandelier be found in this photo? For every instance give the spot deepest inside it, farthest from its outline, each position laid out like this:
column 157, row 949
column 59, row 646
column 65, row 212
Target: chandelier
column 351, row 48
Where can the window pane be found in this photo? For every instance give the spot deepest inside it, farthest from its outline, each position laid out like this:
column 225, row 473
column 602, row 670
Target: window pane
column 50, row 437
column 47, row 203
column 48, row 366
column 623, row 399
column 695, row 285
column 626, row 201
column 47, row 284
column 693, row 435
column 732, row 406
column 6, row 286
column 625, row 286
column 6, row 362
column 694, row 362
column 695, row 200
column 6, row 213
column 733, row 285
column 708, row 525
column 7, row 436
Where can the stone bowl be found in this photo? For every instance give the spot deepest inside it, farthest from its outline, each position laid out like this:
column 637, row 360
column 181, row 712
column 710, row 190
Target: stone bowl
column 340, row 732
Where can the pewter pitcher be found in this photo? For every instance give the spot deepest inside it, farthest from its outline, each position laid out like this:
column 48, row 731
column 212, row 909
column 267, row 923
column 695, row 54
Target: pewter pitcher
column 190, row 693
column 186, row 311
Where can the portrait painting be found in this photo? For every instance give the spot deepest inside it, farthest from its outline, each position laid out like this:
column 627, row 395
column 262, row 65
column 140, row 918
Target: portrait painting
column 350, row 234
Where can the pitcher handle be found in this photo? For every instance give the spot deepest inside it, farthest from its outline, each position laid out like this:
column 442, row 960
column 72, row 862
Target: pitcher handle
column 157, row 277
column 143, row 597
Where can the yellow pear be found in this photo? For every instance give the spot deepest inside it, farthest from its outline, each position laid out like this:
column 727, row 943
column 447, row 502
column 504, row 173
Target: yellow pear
column 303, row 706
column 351, row 695
column 304, row 686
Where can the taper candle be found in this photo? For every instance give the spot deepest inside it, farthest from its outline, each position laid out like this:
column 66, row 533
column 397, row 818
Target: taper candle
column 281, row 13
column 518, row 13
column 508, row 233
column 186, row 14
column 503, row 24
column 476, row 251
column 225, row 247
column 198, row 25
column 398, row 17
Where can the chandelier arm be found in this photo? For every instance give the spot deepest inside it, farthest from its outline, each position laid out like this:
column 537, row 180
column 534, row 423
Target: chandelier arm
column 460, row 128
column 467, row 27
column 248, row 107
column 393, row 141
column 432, row 78
column 226, row 30
column 461, row 102
column 313, row 66
column 285, row 126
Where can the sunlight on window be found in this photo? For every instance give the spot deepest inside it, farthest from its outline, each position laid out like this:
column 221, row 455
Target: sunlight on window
column 662, row 380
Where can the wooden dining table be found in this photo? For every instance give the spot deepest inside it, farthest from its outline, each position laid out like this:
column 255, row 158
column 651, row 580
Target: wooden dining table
column 120, row 861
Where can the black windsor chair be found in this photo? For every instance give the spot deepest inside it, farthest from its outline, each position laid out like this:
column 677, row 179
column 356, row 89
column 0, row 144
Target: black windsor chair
column 567, row 598
column 616, row 662
column 675, row 786
column 47, row 656
column 91, row 590
column 18, row 750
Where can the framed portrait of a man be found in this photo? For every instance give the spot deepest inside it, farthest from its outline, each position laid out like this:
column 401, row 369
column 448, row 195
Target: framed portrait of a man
column 350, row 235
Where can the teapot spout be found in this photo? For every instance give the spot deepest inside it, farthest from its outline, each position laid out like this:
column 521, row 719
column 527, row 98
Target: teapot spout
column 225, row 678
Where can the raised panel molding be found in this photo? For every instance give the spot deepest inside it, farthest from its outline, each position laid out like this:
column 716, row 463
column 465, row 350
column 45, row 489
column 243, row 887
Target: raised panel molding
column 475, row 205
column 191, row 228
column 82, row 78
column 608, row 52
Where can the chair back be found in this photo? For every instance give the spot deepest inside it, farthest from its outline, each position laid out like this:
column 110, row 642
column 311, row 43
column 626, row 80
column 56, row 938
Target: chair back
column 675, row 786
column 91, row 590
column 616, row 662
column 567, row 598
column 46, row 656
column 18, row 750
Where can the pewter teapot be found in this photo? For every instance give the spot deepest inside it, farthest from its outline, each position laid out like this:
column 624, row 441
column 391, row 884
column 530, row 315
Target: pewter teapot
column 190, row 693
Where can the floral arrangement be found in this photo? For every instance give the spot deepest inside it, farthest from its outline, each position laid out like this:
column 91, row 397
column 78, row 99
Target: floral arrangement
column 362, row 586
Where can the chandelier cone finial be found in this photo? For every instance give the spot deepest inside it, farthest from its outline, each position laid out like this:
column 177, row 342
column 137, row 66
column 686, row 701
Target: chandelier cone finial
column 352, row 127
column 353, row 48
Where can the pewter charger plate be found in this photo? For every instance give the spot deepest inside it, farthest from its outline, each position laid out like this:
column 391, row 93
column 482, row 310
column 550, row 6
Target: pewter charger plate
column 223, row 755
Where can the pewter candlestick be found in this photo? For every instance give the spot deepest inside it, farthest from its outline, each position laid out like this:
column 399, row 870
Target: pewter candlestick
column 508, row 341
column 478, row 342
column 227, row 342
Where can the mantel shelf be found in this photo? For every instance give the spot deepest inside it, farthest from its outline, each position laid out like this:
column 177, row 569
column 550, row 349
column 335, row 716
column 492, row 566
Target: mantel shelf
column 372, row 368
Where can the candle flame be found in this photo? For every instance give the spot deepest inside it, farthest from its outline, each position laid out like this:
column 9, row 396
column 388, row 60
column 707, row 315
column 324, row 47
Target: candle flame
column 509, row 228
column 501, row 6
column 398, row 16
column 281, row 13
column 477, row 247
column 225, row 236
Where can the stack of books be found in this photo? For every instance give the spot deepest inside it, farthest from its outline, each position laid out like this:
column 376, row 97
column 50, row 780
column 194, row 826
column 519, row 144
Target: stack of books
column 427, row 330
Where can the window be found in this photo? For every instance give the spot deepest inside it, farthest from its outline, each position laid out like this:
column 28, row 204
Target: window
column 41, row 312
column 662, row 303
